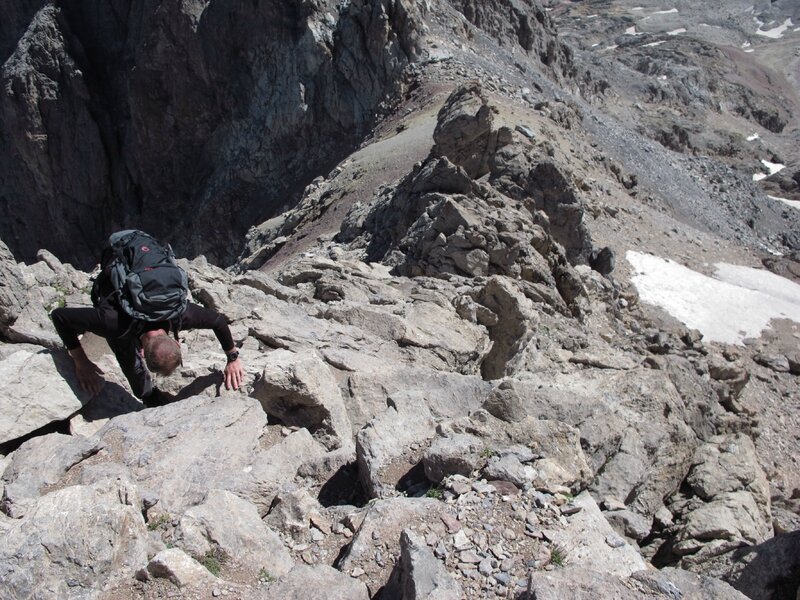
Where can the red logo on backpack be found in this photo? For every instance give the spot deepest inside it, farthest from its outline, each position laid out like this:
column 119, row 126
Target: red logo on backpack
column 145, row 249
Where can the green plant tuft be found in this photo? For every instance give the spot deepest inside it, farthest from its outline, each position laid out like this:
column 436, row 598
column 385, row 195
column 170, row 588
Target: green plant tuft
column 264, row 575
column 213, row 560
column 158, row 522
column 434, row 492
column 558, row 555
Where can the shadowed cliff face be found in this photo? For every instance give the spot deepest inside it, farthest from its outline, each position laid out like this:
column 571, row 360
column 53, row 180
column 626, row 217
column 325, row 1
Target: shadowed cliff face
column 191, row 119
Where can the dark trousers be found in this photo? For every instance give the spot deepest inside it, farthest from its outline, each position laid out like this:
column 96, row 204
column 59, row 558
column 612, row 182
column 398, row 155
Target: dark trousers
column 132, row 365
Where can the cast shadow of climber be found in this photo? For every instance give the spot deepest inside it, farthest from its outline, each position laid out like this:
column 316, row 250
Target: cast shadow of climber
column 199, row 386
column 112, row 401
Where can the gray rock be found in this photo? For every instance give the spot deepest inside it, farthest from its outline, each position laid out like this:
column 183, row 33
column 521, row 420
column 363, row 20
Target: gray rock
column 38, row 463
column 422, row 574
column 180, row 568
column 733, row 517
column 291, row 513
column 272, row 469
column 39, row 388
column 460, row 454
column 633, row 424
column 12, row 289
column 382, row 444
column 677, row 583
column 209, row 441
column 225, row 523
column 727, row 464
column 556, row 458
column 301, row 391
column 509, row 468
column 776, row 362
column 629, row 524
column 384, row 521
column 447, row 395
column 464, row 130
column 315, row 582
column 584, row 541
column 55, row 551
column 767, row 571
column 665, row 584
column 505, row 404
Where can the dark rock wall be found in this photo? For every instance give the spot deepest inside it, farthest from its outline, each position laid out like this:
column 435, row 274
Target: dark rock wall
column 188, row 118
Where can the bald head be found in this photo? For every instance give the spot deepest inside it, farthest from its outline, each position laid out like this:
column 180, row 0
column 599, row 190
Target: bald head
column 162, row 354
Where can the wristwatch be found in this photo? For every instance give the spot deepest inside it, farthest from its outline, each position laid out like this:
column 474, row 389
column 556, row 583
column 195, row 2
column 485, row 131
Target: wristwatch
column 233, row 355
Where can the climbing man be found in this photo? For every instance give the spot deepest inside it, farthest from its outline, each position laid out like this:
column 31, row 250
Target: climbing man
column 140, row 302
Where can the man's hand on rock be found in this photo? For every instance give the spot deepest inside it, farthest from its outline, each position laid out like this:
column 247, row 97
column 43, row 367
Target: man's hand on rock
column 89, row 374
column 234, row 374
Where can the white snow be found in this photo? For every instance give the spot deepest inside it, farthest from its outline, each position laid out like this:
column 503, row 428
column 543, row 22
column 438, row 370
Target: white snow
column 631, row 31
column 753, row 137
column 653, row 44
column 676, row 31
column 776, row 32
column 792, row 203
column 666, row 12
column 737, row 303
column 772, row 167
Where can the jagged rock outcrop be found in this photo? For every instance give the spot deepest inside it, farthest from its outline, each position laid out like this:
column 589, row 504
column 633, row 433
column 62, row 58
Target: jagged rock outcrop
column 444, row 221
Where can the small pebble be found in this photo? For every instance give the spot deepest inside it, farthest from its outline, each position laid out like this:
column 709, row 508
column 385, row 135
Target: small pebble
column 485, row 567
column 615, row 541
column 509, row 534
column 570, row 509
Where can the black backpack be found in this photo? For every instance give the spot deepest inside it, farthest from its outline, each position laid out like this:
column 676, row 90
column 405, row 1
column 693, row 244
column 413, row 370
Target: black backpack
column 140, row 273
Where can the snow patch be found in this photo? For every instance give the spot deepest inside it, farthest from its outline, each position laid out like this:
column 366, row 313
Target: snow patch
column 776, row 32
column 737, row 303
column 666, row 12
column 676, row 31
column 771, row 167
column 653, row 44
column 792, row 203
column 753, row 137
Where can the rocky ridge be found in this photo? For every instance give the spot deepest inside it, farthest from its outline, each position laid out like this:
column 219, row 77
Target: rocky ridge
column 452, row 391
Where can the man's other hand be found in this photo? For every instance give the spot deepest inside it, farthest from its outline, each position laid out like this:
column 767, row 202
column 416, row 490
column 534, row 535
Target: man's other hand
column 234, row 374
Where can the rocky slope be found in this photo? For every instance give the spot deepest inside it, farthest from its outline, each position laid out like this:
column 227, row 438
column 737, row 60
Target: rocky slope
column 454, row 389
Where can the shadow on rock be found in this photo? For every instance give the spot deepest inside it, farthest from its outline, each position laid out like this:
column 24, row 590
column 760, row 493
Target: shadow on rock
column 200, row 385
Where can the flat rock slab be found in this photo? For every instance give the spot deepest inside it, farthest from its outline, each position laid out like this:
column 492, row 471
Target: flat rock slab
column 38, row 388
column 584, row 542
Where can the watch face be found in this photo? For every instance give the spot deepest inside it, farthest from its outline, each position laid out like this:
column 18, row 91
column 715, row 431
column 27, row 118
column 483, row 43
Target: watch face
column 233, row 356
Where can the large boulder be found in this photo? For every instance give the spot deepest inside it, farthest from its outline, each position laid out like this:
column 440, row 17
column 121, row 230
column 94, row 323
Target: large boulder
column 300, row 390
column 319, row 582
column 40, row 387
column 382, row 445
column 224, row 523
column 55, row 550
